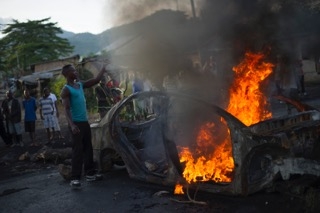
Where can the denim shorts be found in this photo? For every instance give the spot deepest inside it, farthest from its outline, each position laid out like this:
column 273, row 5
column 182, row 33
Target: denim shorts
column 15, row 128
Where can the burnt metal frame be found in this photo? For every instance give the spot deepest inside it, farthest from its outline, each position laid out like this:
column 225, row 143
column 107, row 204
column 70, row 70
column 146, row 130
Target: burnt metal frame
column 262, row 153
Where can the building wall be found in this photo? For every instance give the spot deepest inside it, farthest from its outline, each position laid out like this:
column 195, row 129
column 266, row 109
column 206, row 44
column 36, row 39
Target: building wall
column 92, row 68
column 309, row 69
column 55, row 65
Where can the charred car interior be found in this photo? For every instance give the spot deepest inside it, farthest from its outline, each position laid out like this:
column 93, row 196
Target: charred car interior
column 185, row 141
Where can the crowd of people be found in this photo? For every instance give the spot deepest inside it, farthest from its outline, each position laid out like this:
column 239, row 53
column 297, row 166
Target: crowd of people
column 109, row 91
column 18, row 116
column 74, row 105
column 12, row 125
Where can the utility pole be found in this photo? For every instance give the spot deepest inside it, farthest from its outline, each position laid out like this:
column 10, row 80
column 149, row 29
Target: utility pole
column 197, row 33
column 193, row 9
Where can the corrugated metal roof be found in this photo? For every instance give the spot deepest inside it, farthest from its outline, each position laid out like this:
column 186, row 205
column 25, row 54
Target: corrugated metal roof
column 34, row 77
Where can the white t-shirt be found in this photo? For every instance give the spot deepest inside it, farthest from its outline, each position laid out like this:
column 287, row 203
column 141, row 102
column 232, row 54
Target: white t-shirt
column 54, row 99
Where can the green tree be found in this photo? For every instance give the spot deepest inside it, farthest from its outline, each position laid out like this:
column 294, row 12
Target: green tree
column 27, row 43
column 56, row 85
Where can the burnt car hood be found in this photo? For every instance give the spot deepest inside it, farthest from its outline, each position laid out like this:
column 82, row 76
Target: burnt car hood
column 286, row 145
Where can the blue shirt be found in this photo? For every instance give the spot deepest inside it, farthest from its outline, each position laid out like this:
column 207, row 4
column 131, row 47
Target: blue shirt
column 78, row 106
column 30, row 107
column 137, row 85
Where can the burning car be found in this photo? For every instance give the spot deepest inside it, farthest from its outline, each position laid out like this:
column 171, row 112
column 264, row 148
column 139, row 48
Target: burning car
column 186, row 142
column 228, row 157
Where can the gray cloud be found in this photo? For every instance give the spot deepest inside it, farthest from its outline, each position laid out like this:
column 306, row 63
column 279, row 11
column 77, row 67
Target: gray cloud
column 127, row 11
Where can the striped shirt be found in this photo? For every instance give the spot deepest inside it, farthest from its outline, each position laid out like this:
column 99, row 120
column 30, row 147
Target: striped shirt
column 46, row 105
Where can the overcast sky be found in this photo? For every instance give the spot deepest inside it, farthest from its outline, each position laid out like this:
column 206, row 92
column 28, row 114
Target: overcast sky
column 94, row 16
column 72, row 15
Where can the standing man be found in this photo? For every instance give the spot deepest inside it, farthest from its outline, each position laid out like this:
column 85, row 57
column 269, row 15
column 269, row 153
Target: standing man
column 30, row 107
column 210, row 67
column 75, row 108
column 126, row 84
column 12, row 111
column 278, row 75
column 46, row 113
column 3, row 132
column 300, row 77
column 103, row 97
column 5, row 118
column 57, row 128
column 137, row 86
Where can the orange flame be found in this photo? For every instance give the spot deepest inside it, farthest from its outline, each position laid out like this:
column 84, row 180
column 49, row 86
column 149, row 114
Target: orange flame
column 178, row 189
column 212, row 160
column 247, row 102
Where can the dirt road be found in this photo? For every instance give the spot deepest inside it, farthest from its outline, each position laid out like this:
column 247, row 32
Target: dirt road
column 27, row 186
column 46, row 191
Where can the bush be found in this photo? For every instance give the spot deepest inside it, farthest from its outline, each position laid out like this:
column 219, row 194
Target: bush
column 56, row 85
